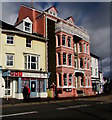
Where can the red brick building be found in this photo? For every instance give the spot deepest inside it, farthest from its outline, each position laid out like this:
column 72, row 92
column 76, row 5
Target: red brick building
column 67, row 50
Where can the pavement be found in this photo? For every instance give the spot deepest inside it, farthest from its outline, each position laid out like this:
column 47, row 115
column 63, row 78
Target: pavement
column 12, row 101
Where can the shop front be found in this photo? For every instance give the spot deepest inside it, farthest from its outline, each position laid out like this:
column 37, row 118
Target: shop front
column 14, row 82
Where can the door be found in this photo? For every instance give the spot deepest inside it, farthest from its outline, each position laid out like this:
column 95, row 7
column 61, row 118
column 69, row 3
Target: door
column 8, row 88
column 33, row 88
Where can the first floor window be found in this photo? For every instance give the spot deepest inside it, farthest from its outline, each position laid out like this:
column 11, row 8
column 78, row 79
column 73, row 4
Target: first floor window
column 64, row 58
column 69, row 42
column 80, row 47
column 75, row 49
column 76, row 82
column 9, row 59
column 70, row 79
column 58, row 37
column 85, row 63
column 69, row 59
column 88, row 64
column 31, row 62
column 65, row 79
column 59, row 78
column 28, row 43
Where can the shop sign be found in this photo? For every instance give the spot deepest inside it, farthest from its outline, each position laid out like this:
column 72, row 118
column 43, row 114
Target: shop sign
column 34, row 75
column 16, row 74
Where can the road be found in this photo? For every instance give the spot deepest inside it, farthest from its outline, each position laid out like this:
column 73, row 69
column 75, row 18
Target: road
column 89, row 108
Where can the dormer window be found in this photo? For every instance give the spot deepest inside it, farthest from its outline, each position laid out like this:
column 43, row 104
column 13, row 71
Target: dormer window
column 27, row 26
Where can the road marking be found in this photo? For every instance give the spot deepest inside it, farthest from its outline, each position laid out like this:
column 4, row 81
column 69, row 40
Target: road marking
column 17, row 114
column 69, row 107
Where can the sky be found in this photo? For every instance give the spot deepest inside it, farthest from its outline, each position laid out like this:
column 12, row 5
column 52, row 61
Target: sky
column 94, row 16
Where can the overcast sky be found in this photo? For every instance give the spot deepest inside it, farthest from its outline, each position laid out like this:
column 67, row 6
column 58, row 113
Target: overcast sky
column 93, row 16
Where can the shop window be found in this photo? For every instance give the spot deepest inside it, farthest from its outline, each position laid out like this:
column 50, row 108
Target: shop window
column 65, row 79
column 58, row 37
column 70, row 79
column 59, row 78
column 28, row 43
column 31, row 62
column 64, row 58
column 10, row 39
column 63, row 40
column 7, row 87
column 24, row 83
column 69, row 59
column 9, row 59
column 40, row 86
column 69, row 42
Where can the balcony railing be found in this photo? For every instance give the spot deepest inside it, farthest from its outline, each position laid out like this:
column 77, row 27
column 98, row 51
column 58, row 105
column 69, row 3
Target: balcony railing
column 74, row 30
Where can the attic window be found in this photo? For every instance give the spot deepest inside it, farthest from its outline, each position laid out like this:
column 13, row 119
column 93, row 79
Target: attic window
column 27, row 26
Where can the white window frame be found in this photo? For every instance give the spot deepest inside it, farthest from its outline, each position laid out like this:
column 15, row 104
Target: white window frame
column 28, row 63
column 76, row 63
column 10, row 40
column 76, row 82
column 58, row 60
column 28, row 43
column 85, row 63
column 10, row 54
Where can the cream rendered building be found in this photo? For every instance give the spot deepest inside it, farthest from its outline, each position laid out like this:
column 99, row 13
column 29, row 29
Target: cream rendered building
column 22, row 62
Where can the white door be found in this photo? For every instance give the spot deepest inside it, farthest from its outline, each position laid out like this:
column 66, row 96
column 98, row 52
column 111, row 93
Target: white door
column 8, row 88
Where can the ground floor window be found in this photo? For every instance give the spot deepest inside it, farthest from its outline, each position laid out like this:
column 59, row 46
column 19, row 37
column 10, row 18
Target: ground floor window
column 82, row 82
column 70, row 79
column 7, row 87
column 59, row 79
column 40, row 86
column 24, row 83
column 65, row 79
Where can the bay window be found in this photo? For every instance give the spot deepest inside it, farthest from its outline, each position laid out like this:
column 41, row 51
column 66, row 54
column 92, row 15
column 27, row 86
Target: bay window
column 69, row 42
column 64, row 58
column 63, row 40
column 70, row 79
column 31, row 62
column 69, row 59
column 58, row 40
column 65, row 79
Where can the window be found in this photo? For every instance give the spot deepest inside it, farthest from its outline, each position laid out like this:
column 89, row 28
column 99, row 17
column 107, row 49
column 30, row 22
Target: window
column 88, row 64
column 80, row 47
column 84, row 48
column 86, row 81
column 10, row 39
column 96, row 71
column 40, row 86
column 82, row 82
column 64, row 58
column 87, row 49
column 81, row 63
column 69, row 59
column 75, row 49
column 85, row 63
column 31, row 62
column 59, row 60
column 69, row 42
column 27, row 26
column 89, row 81
column 28, row 43
column 70, row 79
column 58, row 37
column 75, row 63
column 9, row 59
column 91, row 71
column 7, row 87
column 64, row 40
column 59, row 78
column 65, row 79
column 75, row 81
